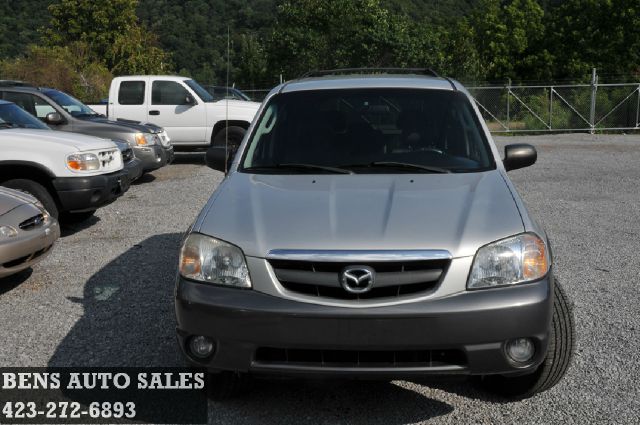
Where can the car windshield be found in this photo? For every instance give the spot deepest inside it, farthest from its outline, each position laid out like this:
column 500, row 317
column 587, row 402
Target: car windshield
column 368, row 131
column 13, row 116
column 70, row 104
column 200, row 91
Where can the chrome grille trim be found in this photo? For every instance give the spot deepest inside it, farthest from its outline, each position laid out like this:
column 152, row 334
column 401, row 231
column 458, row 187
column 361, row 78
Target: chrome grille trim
column 32, row 222
column 358, row 256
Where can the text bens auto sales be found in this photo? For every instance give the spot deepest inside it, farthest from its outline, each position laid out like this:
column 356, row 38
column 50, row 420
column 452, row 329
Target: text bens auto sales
column 102, row 380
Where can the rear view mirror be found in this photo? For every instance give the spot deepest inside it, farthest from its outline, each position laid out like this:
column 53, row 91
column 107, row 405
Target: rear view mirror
column 519, row 155
column 219, row 158
column 189, row 100
column 53, row 118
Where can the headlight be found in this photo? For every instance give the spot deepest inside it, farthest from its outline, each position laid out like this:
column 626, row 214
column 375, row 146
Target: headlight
column 145, row 139
column 209, row 260
column 7, row 232
column 517, row 259
column 83, row 162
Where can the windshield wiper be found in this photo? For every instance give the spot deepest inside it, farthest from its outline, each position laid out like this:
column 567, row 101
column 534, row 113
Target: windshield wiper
column 392, row 164
column 294, row 166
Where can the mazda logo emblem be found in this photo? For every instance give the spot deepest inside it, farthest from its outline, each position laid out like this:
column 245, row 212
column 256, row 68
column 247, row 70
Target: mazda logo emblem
column 357, row 279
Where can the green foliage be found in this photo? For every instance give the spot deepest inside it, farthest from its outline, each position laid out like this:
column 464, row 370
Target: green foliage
column 66, row 68
column 112, row 33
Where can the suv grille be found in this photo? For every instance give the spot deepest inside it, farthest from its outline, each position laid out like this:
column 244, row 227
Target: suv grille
column 392, row 279
column 32, row 223
column 109, row 159
column 360, row 358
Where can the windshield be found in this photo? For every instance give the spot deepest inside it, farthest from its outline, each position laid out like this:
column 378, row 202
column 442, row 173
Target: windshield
column 12, row 116
column 368, row 131
column 200, row 91
column 70, row 104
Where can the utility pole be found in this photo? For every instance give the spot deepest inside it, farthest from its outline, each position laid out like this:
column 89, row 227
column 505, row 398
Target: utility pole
column 594, row 90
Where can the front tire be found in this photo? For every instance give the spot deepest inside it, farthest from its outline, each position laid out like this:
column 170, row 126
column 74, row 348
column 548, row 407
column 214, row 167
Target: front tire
column 236, row 134
column 559, row 353
column 225, row 385
column 36, row 190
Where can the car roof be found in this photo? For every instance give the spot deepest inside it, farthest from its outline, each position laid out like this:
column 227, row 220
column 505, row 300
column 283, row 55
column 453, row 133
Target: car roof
column 354, row 81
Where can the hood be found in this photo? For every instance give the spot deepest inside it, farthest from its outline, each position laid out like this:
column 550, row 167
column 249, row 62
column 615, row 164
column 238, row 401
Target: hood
column 72, row 141
column 455, row 212
column 120, row 124
column 236, row 105
column 11, row 199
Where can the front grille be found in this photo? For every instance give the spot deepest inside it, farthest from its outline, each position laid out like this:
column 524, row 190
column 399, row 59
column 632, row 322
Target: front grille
column 26, row 258
column 32, row 222
column 360, row 358
column 109, row 159
column 392, row 278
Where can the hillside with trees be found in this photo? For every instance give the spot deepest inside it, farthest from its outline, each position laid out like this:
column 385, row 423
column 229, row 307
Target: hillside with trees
column 78, row 45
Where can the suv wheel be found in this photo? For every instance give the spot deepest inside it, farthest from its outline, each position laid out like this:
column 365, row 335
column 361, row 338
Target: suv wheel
column 561, row 346
column 236, row 134
column 36, row 190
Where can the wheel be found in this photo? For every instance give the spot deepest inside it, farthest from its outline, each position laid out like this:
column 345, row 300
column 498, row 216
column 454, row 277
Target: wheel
column 224, row 385
column 37, row 190
column 236, row 134
column 559, row 353
column 76, row 217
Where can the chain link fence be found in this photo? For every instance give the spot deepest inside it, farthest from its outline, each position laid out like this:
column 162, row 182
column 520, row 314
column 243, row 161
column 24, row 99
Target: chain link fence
column 560, row 108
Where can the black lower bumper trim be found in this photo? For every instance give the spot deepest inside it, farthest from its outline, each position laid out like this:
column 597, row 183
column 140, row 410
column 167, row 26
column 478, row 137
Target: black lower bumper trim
column 88, row 193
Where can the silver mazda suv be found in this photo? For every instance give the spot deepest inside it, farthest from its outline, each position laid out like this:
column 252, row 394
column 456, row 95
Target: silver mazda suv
column 367, row 227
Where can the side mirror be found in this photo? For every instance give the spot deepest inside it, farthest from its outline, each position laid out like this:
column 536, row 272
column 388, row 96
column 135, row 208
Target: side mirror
column 53, row 118
column 519, row 155
column 217, row 158
column 189, row 100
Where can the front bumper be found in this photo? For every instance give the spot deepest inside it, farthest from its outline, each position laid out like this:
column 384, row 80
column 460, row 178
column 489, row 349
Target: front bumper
column 28, row 247
column 154, row 157
column 475, row 323
column 77, row 194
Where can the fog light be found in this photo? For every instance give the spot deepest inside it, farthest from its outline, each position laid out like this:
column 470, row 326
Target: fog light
column 201, row 346
column 520, row 350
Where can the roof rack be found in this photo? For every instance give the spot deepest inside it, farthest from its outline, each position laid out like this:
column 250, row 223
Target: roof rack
column 342, row 71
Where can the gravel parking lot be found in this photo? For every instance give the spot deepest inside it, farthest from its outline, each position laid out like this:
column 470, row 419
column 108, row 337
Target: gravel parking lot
column 105, row 297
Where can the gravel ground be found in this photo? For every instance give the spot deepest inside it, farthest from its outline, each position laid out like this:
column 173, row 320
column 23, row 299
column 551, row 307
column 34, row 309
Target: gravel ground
column 104, row 297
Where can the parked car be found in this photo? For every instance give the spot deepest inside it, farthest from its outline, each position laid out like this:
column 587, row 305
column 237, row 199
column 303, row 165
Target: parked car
column 131, row 164
column 367, row 228
column 189, row 114
column 27, row 231
column 69, row 173
column 222, row 92
column 61, row 111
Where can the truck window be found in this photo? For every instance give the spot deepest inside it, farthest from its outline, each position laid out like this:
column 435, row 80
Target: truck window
column 168, row 93
column 131, row 93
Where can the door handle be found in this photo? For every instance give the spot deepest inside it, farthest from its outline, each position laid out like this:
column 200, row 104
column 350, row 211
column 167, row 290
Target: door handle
column 154, row 112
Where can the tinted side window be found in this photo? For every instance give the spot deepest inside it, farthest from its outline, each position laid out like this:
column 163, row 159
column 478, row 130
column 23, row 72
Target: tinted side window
column 168, row 93
column 23, row 100
column 131, row 93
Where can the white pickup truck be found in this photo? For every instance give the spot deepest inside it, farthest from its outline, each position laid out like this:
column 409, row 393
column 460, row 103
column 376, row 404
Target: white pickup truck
column 189, row 114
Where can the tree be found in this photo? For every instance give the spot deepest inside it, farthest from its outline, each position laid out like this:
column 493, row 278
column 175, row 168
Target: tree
column 594, row 33
column 111, row 31
column 508, row 37
column 320, row 34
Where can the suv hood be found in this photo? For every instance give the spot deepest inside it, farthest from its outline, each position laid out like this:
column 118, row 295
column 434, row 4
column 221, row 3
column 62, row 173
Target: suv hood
column 134, row 126
column 63, row 139
column 455, row 212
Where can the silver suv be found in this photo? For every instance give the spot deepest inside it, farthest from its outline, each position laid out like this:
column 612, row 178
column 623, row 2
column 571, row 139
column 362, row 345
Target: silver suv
column 367, row 228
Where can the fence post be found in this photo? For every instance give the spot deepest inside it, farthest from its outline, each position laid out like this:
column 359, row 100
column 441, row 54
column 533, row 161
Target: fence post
column 594, row 89
column 550, row 107
column 638, row 109
column 508, row 95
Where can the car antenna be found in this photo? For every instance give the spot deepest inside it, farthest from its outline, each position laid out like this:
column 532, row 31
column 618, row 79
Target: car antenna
column 226, row 101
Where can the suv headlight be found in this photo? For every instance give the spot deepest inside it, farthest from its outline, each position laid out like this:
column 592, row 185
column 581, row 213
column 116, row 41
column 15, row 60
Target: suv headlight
column 83, row 162
column 145, row 139
column 210, row 260
column 517, row 259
